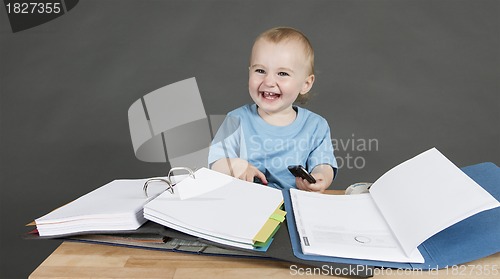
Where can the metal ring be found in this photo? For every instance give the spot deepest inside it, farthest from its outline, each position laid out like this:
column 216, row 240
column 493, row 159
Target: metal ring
column 171, row 172
column 169, row 188
column 168, row 180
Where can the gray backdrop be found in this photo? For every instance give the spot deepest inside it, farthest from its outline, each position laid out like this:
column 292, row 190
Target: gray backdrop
column 402, row 75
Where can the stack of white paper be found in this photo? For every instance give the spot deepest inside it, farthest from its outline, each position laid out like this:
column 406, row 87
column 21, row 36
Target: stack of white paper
column 407, row 205
column 216, row 207
column 115, row 206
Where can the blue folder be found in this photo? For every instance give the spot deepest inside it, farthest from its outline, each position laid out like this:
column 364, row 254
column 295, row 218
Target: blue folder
column 473, row 238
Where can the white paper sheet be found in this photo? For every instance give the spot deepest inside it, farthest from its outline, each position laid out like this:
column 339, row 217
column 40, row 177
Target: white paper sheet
column 345, row 226
column 405, row 206
column 234, row 211
column 426, row 194
column 205, row 181
column 115, row 206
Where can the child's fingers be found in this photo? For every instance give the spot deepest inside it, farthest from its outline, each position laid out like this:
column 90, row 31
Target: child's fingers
column 302, row 184
column 261, row 176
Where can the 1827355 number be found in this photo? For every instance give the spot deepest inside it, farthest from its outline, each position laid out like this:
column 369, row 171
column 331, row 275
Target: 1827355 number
column 34, row 8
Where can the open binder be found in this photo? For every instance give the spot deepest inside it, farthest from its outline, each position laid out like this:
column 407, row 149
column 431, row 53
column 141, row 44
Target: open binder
column 473, row 238
column 204, row 204
column 220, row 208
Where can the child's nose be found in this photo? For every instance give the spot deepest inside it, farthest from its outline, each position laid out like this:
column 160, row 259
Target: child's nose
column 269, row 80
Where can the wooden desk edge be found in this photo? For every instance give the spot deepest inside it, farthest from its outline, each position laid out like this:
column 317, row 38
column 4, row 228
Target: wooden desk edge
column 85, row 260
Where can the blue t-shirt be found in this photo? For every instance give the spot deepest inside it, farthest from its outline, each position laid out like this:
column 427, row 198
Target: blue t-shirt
column 244, row 134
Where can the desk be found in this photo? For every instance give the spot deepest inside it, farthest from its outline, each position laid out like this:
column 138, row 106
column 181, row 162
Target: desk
column 84, row 260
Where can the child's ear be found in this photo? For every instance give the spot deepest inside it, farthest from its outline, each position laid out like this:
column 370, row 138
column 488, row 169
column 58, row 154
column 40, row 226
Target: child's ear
column 308, row 83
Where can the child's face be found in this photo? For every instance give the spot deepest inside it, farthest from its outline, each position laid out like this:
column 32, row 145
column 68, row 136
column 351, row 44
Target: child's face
column 279, row 72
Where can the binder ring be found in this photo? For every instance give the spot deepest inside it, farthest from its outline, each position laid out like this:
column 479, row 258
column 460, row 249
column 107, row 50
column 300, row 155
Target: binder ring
column 190, row 171
column 169, row 188
column 168, row 180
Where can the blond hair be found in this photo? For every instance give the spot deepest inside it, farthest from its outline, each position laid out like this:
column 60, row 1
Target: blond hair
column 283, row 34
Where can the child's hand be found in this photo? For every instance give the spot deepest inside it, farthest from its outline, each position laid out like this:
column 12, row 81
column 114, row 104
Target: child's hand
column 243, row 170
column 323, row 175
column 320, row 185
column 239, row 168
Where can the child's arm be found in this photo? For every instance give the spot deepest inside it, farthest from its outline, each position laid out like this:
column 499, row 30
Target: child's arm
column 323, row 175
column 239, row 168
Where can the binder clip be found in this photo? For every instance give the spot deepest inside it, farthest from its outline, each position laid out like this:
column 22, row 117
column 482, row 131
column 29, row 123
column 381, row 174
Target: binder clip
column 168, row 180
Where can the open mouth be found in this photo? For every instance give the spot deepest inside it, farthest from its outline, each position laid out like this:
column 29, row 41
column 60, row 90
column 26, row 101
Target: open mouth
column 270, row 95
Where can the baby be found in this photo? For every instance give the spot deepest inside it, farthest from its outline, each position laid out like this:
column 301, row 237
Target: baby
column 257, row 142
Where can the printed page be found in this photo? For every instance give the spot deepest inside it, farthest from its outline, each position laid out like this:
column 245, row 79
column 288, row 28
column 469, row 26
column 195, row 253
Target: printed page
column 345, row 226
column 425, row 195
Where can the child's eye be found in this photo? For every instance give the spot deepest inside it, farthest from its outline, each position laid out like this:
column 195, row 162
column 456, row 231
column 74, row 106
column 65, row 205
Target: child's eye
column 260, row 71
column 283, row 74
